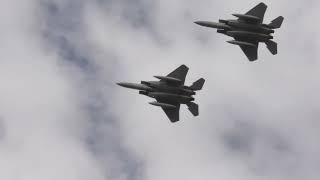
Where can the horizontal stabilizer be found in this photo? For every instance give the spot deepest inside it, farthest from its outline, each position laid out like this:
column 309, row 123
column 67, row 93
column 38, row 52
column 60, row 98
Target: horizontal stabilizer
column 193, row 108
column 197, row 85
column 276, row 23
column 272, row 46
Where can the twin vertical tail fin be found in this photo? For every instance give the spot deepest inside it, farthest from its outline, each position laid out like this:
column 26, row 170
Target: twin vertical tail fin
column 272, row 46
column 193, row 108
column 196, row 86
column 276, row 23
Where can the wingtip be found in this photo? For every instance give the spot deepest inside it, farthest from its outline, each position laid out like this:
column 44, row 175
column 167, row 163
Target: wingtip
column 281, row 17
column 184, row 66
column 253, row 59
column 262, row 4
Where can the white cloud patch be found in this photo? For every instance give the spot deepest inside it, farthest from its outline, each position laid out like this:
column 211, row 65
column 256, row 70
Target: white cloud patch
column 43, row 123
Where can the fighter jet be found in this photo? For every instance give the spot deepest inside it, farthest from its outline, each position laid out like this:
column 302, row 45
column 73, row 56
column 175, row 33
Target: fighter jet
column 248, row 30
column 170, row 92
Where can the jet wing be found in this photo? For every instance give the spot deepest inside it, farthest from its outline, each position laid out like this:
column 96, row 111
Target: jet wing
column 249, row 51
column 179, row 73
column 258, row 11
column 173, row 114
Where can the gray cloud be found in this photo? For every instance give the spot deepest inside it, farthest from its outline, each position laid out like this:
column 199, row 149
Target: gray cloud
column 104, row 133
column 62, row 116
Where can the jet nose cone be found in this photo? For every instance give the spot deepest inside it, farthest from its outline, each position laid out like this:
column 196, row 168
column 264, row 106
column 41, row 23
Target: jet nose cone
column 204, row 23
column 201, row 23
column 122, row 84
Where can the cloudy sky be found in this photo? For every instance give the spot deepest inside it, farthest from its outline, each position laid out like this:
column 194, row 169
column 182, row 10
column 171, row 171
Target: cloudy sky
column 63, row 117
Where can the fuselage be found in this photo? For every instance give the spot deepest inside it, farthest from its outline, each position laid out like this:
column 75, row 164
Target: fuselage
column 259, row 28
column 241, row 29
column 163, row 91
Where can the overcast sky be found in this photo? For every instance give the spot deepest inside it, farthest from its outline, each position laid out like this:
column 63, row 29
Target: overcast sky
column 63, row 117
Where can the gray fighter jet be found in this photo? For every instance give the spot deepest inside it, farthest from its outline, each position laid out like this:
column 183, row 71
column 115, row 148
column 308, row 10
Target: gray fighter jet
column 170, row 92
column 248, row 30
